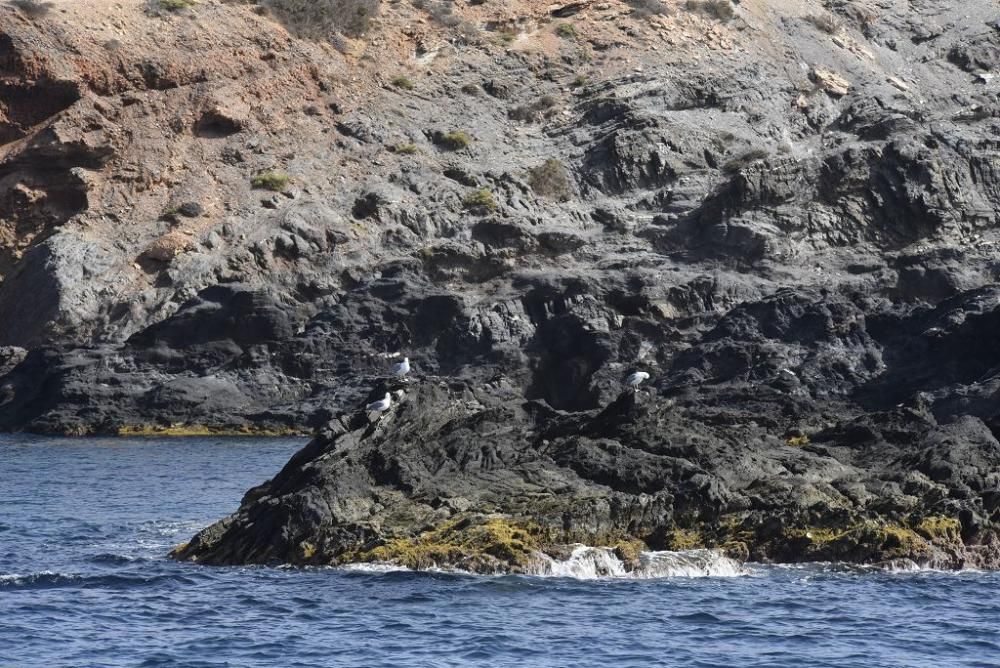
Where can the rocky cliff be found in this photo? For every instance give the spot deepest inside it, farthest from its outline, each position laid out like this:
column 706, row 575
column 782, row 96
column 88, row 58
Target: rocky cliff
column 784, row 211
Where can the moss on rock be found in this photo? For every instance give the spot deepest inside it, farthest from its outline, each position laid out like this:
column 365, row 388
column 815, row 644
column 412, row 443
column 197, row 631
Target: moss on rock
column 940, row 529
column 475, row 543
column 865, row 542
column 685, row 539
column 921, row 539
column 629, row 551
column 143, row 430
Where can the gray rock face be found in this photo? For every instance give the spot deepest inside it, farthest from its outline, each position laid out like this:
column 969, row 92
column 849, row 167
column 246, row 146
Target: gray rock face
column 452, row 461
column 789, row 221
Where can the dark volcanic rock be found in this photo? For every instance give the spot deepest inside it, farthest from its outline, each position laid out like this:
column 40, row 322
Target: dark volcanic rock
column 789, row 221
column 468, row 477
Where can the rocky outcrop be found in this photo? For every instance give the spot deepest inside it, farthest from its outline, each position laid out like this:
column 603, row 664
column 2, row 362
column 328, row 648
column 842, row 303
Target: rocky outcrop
column 466, row 476
column 784, row 212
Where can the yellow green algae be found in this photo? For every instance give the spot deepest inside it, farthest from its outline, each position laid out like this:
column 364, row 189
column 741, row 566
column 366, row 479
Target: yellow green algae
column 308, row 550
column 865, row 541
column 862, row 541
column 944, row 529
column 486, row 544
column 481, row 545
column 504, row 543
column 875, row 540
column 727, row 536
column 206, row 430
column 629, row 550
column 684, row 539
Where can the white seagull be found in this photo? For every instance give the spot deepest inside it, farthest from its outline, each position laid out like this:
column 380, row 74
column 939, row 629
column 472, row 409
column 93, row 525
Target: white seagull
column 636, row 378
column 380, row 406
column 401, row 368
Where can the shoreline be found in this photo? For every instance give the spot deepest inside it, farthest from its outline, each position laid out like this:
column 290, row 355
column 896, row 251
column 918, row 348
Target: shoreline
column 483, row 486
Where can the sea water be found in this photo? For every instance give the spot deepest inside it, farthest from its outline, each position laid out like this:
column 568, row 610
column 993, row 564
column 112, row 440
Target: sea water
column 85, row 526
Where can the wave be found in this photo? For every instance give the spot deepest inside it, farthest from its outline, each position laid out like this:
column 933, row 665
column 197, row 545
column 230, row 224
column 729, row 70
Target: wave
column 594, row 563
column 893, row 567
column 116, row 559
column 373, row 567
column 385, row 568
column 591, row 563
column 377, row 567
column 904, row 566
column 54, row 580
column 39, row 580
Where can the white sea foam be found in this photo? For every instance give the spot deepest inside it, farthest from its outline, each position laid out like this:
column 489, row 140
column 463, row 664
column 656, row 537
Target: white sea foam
column 902, row 566
column 373, row 567
column 893, row 567
column 597, row 563
column 589, row 563
column 592, row 563
column 19, row 579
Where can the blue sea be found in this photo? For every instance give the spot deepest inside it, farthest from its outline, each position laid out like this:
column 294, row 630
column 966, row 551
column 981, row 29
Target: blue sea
column 85, row 525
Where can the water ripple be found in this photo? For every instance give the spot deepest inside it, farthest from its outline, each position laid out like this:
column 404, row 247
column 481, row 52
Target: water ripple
column 85, row 583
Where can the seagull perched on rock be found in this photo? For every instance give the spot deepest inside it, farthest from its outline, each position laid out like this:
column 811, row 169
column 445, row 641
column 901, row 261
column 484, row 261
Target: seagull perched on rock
column 380, row 406
column 401, row 368
column 636, row 378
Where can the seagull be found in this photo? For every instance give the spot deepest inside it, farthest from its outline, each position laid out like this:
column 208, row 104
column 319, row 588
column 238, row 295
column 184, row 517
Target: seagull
column 636, row 378
column 381, row 405
column 401, row 368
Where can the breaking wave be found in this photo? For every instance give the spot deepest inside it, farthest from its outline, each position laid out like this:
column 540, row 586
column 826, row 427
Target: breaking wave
column 590, row 563
column 55, row 580
column 373, row 567
column 594, row 563
column 893, row 567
